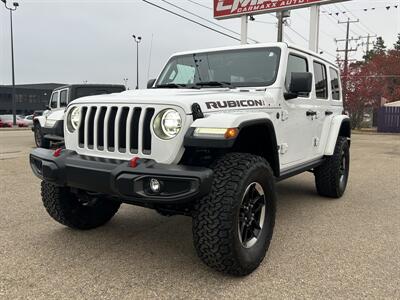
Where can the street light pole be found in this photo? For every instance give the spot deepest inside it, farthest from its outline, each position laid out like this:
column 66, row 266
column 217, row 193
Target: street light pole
column 14, row 106
column 137, row 41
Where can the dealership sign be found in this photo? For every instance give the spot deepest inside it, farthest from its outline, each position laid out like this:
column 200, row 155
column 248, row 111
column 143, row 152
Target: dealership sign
column 233, row 8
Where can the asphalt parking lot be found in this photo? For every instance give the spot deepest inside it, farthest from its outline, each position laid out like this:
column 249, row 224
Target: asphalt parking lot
column 322, row 248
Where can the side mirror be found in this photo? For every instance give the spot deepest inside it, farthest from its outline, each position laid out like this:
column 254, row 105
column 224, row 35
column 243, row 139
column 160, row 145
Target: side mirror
column 300, row 83
column 48, row 107
column 150, row 83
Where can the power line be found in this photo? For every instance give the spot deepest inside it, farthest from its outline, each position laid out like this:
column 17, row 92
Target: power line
column 200, row 4
column 361, row 23
column 351, row 30
column 190, row 20
column 204, row 19
column 305, row 39
column 346, row 51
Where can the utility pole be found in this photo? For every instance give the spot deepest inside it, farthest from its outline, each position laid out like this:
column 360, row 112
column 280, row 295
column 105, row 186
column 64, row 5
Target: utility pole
column 137, row 41
column 14, row 105
column 368, row 43
column 347, row 50
column 244, row 29
column 281, row 15
column 313, row 41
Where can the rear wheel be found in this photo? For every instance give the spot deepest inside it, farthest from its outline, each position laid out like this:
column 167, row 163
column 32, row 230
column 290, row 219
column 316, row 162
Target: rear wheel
column 40, row 140
column 77, row 211
column 233, row 225
column 332, row 176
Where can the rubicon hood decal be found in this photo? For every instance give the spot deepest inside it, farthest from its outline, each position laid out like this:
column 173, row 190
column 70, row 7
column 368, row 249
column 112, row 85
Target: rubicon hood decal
column 234, row 104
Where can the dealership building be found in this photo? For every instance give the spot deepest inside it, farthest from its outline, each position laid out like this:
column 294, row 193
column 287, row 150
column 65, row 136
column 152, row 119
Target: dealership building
column 28, row 97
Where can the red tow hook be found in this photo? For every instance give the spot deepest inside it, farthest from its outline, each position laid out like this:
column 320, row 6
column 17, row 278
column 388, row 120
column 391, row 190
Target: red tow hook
column 57, row 152
column 134, row 162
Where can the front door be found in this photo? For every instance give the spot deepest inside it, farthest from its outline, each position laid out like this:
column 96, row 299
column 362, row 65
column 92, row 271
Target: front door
column 296, row 145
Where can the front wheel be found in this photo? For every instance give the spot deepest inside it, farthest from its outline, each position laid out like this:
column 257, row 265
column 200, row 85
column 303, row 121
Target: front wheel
column 77, row 211
column 332, row 176
column 40, row 140
column 233, row 225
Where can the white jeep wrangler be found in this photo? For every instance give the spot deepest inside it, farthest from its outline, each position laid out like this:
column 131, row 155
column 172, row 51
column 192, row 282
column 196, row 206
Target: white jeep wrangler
column 209, row 139
column 50, row 126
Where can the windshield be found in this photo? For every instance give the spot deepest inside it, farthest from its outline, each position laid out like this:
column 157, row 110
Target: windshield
column 233, row 68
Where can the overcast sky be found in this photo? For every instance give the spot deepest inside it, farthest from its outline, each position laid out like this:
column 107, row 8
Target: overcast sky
column 75, row 41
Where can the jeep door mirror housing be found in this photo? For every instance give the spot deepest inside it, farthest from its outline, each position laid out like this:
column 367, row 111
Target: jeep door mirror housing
column 150, row 83
column 300, row 83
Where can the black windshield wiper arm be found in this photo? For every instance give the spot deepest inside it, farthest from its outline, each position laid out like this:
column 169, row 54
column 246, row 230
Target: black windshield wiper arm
column 170, row 86
column 214, row 83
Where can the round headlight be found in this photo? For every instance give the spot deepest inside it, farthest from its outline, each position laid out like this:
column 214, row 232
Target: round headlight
column 167, row 124
column 74, row 117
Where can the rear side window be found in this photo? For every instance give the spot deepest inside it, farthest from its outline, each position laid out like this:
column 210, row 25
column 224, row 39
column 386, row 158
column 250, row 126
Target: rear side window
column 321, row 83
column 295, row 64
column 335, row 84
column 63, row 98
column 54, row 100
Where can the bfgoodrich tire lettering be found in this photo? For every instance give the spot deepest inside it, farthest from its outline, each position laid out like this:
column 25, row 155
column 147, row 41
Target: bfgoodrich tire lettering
column 216, row 217
column 331, row 177
column 68, row 209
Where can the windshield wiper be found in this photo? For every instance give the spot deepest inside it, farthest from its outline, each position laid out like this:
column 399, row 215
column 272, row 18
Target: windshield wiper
column 170, row 86
column 214, row 83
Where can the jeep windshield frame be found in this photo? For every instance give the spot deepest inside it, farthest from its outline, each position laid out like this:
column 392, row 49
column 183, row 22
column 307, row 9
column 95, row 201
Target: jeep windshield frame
column 255, row 67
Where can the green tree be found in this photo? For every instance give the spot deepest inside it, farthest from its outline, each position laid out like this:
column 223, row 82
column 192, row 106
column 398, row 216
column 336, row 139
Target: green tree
column 397, row 44
column 379, row 49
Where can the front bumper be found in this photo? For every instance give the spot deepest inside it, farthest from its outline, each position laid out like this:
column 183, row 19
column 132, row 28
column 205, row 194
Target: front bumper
column 179, row 184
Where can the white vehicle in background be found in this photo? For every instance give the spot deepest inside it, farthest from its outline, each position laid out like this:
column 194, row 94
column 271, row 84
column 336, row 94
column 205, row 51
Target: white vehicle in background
column 209, row 139
column 50, row 126
column 29, row 120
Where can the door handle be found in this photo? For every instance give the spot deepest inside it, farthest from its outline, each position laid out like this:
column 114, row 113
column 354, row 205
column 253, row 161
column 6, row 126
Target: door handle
column 328, row 113
column 311, row 113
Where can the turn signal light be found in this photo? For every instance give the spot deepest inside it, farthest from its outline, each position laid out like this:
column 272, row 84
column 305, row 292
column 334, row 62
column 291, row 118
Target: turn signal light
column 231, row 133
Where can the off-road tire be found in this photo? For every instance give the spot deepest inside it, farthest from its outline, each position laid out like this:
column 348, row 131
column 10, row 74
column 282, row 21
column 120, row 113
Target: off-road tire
column 67, row 209
column 328, row 175
column 40, row 140
column 215, row 217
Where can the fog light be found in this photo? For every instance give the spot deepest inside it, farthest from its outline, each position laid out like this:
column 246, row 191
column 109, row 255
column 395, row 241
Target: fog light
column 155, row 185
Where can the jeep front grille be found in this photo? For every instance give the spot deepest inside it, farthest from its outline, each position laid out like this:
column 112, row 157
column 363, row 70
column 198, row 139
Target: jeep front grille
column 120, row 129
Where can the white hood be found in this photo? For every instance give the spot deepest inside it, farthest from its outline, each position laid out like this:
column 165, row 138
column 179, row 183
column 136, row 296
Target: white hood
column 210, row 100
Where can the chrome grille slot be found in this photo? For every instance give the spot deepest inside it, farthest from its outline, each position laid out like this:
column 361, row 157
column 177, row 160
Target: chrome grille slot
column 123, row 130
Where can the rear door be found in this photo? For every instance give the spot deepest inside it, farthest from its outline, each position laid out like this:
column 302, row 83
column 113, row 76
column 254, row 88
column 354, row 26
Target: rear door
column 322, row 103
column 328, row 102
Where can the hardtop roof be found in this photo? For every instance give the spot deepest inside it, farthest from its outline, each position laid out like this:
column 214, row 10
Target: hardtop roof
column 261, row 45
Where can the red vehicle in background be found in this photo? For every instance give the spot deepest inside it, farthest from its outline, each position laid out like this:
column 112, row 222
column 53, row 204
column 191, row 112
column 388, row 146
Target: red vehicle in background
column 7, row 121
